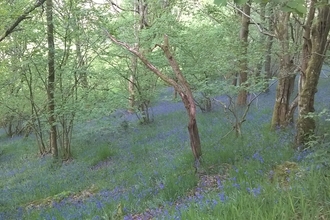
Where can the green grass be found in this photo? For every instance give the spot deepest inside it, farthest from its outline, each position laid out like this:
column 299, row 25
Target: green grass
column 150, row 168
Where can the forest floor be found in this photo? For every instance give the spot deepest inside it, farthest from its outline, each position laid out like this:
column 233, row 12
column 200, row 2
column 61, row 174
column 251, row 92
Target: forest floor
column 146, row 171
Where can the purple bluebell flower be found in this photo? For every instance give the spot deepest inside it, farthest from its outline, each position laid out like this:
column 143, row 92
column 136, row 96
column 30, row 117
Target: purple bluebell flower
column 258, row 157
column 236, row 185
column 99, row 204
column 222, row 197
column 254, row 191
column 219, row 184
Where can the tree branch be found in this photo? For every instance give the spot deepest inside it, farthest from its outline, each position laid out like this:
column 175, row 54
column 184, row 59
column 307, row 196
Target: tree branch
column 146, row 61
column 21, row 18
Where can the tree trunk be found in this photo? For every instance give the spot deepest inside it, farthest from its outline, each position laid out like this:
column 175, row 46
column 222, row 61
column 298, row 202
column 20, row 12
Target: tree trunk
column 51, row 78
column 262, row 41
column 35, row 123
column 319, row 43
column 131, row 94
column 81, row 62
column 283, row 93
column 188, row 99
column 244, row 33
column 180, row 85
column 307, row 44
column 269, row 45
column 286, row 76
column 195, row 143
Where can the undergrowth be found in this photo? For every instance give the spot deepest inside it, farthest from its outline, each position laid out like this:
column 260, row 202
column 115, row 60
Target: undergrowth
column 146, row 171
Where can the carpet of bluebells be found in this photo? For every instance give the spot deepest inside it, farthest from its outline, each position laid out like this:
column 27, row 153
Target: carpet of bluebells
column 146, row 171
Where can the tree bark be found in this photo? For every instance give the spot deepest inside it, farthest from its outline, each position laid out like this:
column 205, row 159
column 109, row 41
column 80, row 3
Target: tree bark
column 318, row 43
column 283, row 93
column 180, row 85
column 243, row 76
column 286, row 76
column 187, row 98
column 51, row 79
column 269, row 45
column 306, row 50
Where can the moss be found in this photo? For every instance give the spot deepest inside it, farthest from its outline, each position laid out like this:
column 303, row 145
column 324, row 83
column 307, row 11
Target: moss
column 283, row 173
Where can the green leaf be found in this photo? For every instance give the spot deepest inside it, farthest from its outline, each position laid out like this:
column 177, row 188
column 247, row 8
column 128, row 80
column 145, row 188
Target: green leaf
column 301, row 9
column 261, row 1
column 296, row 6
column 220, row 2
column 240, row 2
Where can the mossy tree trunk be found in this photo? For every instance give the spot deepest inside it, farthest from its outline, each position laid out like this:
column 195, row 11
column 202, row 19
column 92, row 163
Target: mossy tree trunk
column 318, row 44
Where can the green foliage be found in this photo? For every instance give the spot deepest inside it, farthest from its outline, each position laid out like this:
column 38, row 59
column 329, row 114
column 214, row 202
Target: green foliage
column 138, row 169
column 102, row 153
column 240, row 2
column 295, row 6
column 149, row 170
column 220, row 2
column 177, row 184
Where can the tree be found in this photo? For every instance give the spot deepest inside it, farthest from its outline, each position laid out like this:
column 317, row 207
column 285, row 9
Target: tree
column 314, row 48
column 51, row 79
column 269, row 41
column 286, row 76
column 244, row 34
column 180, row 85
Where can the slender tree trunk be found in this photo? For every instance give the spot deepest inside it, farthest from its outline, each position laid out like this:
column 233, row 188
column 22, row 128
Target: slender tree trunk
column 180, row 85
column 284, row 91
column 131, row 81
column 188, row 99
column 307, row 44
column 140, row 14
column 319, row 43
column 243, row 76
column 269, row 45
column 81, row 63
column 35, row 123
column 262, row 40
column 286, row 76
column 51, row 78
